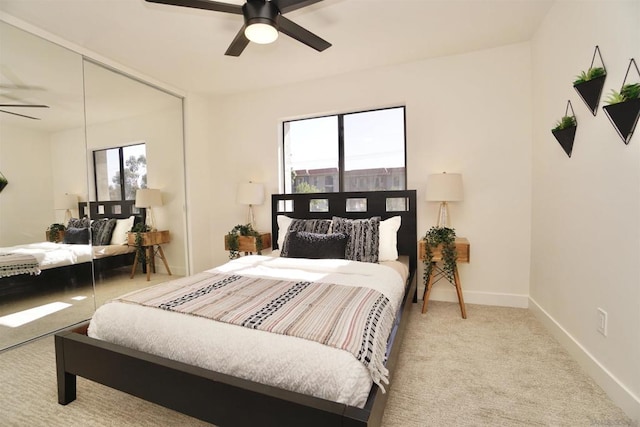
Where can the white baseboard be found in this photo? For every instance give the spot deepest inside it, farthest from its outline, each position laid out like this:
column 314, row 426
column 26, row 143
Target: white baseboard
column 482, row 298
column 616, row 390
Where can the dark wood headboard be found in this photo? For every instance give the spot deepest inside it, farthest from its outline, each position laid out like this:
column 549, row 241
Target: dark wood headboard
column 112, row 209
column 384, row 204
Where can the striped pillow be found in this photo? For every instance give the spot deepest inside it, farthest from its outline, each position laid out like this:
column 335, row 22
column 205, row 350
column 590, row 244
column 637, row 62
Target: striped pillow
column 364, row 237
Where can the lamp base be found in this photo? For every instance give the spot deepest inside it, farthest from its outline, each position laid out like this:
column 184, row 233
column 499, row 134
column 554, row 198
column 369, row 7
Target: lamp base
column 250, row 218
column 443, row 215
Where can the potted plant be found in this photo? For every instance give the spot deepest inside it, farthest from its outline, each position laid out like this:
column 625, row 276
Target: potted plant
column 444, row 239
column 565, row 130
column 623, row 107
column 141, row 254
column 55, row 232
column 589, row 86
column 3, row 182
column 234, row 242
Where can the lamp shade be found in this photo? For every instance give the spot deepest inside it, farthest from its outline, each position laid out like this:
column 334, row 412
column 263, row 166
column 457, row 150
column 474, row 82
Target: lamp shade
column 66, row 201
column 444, row 187
column 250, row 193
column 147, row 197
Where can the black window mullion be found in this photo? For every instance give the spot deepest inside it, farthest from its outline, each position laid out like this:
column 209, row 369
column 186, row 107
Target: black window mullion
column 121, row 156
column 341, row 152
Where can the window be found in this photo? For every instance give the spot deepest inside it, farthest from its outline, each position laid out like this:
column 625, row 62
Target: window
column 120, row 171
column 363, row 151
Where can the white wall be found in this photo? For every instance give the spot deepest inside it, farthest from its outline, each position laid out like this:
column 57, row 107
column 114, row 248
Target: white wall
column 69, row 167
column 26, row 204
column 586, row 209
column 469, row 114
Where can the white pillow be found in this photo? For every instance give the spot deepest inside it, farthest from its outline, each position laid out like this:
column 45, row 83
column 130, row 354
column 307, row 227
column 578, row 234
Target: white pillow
column 123, row 226
column 388, row 238
column 283, row 226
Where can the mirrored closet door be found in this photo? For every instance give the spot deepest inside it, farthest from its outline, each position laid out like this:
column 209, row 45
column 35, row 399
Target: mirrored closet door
column 78, row 143
column 134, row 142
column 45, row 282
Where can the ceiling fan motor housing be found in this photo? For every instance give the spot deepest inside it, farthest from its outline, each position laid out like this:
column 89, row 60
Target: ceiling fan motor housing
column 260, row 12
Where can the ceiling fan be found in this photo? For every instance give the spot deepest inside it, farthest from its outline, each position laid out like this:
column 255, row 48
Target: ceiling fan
column 262, row 21
column 21, row 106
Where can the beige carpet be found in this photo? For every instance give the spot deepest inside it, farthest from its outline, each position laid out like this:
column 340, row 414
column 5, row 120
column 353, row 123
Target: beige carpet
column 497, row 368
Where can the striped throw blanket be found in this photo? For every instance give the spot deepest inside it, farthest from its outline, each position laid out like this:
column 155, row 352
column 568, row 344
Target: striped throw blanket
column 12, row 264
column 358, row 320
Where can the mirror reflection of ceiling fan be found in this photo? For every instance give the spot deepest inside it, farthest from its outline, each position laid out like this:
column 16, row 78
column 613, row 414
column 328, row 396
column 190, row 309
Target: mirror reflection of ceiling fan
column 5, row 91
column 263, row 21
column 21, row 106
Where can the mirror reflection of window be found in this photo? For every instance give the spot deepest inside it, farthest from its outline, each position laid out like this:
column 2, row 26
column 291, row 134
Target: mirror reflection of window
column 120, row 172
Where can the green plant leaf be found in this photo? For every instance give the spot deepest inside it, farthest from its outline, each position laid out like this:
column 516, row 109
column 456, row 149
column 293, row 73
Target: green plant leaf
column 565, row 122
column 440, row 236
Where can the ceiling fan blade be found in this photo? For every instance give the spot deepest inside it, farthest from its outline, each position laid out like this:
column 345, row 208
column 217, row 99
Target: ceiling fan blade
column 21, row 115
column 25, row 105
column 285, row 6
column 238, row 44
column 295, row 31
column 203, row 4
column 20, row 87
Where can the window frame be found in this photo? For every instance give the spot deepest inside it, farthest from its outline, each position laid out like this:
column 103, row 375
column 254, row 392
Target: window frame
column 341, row 142
column 120, row 149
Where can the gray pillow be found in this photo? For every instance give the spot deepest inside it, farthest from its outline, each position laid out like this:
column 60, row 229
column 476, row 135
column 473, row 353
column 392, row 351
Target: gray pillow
column 316, row 246
column 107, row 231
column 364, row 237
column 319, row 226
column 96, row 229
column 76, row 236
column 79, row 223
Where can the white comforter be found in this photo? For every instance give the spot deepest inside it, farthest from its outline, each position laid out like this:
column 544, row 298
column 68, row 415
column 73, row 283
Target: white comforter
column 50, row 255
column 282, row 361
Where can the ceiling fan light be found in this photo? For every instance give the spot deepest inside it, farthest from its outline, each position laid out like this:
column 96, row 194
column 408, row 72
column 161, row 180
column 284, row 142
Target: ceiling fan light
column 261, row 33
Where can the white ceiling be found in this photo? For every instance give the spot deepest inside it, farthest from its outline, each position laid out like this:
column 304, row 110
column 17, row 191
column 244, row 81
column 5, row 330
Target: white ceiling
column 185, row 47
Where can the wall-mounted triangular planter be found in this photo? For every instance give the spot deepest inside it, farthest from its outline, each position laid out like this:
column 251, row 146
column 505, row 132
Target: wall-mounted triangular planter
column 565, row 137
column 590, row 88
column 624, row 117
column 3, row 182
column 590, row 92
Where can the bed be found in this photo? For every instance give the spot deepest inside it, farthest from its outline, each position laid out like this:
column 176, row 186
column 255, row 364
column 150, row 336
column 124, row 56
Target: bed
column 222, row 398
column 51, row 265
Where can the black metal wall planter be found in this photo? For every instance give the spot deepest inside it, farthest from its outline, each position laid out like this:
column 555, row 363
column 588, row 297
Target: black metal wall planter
column 589, row 84
column 565, row 130
column 3, row 182
column 624, row 107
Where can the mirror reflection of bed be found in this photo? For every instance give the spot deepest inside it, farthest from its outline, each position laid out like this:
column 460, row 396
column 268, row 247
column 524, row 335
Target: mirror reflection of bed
column 42, row 281
column 52, row 155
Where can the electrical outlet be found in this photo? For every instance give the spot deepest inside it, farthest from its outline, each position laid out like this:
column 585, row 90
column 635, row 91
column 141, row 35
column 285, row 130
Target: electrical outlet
column 602, row 322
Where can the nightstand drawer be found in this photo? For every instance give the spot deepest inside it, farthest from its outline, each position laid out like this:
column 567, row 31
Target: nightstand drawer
column 462, row 248
column 248, row 243
column 150, row 238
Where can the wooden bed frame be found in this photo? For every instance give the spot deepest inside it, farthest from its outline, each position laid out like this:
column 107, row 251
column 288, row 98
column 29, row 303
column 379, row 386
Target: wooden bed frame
column 229, row 401
column 72, row 276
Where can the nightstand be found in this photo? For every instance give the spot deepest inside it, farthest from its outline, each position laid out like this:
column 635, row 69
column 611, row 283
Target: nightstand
column 247, row 244
column 151, row 241
column 58, row 238
column 463, row 250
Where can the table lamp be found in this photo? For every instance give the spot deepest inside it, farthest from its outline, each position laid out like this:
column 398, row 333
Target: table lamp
column 147, row 198
column 444, row 187
column 250, row 193
column 66, row 202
